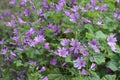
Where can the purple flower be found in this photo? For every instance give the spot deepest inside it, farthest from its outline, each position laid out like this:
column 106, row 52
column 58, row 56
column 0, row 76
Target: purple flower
column 94, row 44
column 40, row 12
column 13, row 54
column 30, row 32
column 79, row 63
column 2, row 41
column 21, row 21
column 33, row 62
column 45, row 4
column 67, row 31
column 74, row 17
column 117, row 14
column 84, row 72
column 42, row 69
column 55, row 28
column 4, row 50
column 7, row 59
column 45, row 78
column 67, row 13
column 62, row 1
column 53, row 61
column 16, row 38
column 15, row 31
column 59, row 6
column 27, row 12
column 93, row 65
column 1, row 16
column 64, row 42
column 39, row 38
column 86, row 21
column 7, row 13
column 117, row 1
column 73, row 2
column 29, row 41
column 12, row 2
column 93, row 2
column 63, row 64
column 62, row 52
column 83, row 52
column 103, row 7
column 22, row 4
column 75, row 8
column 11, row 23
column 111, row 41
column 46, row 46
column 75, row 46
column 99, row 23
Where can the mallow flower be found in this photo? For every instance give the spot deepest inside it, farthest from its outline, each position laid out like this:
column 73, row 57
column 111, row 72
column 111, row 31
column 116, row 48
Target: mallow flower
column 62, row 52
column 79, row 63
column 111, row 41
column 94, row 44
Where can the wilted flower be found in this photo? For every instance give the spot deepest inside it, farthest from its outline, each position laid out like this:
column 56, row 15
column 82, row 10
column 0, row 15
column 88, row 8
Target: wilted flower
column 79, row 63
column 112, row 42
column 63, row 64
column 94, row 44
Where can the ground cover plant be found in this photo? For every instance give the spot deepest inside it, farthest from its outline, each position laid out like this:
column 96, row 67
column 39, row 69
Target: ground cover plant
column 60, row 40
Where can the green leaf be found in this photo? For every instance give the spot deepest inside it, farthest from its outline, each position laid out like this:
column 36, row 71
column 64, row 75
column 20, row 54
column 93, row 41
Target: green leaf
column 100, row 35
column 99, row 58
column 112, row 65
column 89, row 27
column 18, row 63
column 94, row 76
column 68, row 58
column 109, row 77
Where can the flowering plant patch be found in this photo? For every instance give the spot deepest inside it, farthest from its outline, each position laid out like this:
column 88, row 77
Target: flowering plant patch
column 60, row 40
